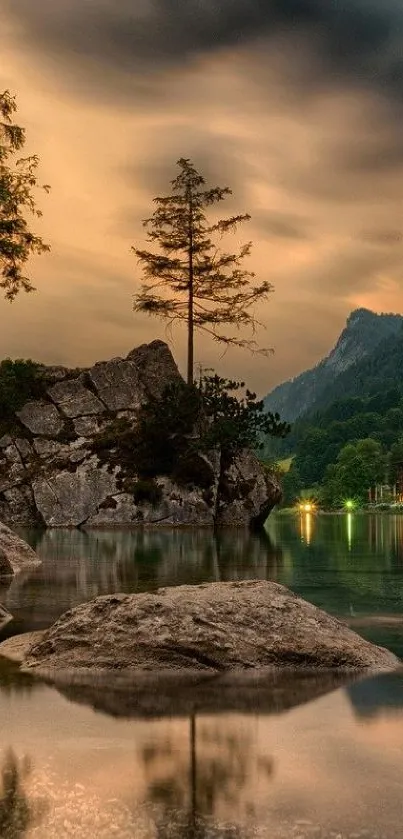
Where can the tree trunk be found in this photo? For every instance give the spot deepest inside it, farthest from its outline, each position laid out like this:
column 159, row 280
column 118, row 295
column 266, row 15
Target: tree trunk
column 190, row 298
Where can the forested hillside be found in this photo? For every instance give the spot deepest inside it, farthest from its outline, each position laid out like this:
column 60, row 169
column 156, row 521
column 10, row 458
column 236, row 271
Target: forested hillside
column 360, row 342
column 364, row 402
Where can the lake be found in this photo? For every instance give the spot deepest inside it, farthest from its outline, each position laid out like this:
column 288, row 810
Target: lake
column 312, row 762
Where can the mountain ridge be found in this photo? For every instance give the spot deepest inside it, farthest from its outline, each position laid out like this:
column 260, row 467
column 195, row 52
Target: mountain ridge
column 313, row 389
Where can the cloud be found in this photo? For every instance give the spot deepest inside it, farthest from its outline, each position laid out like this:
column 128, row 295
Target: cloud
column 359, row 39
column 293, row 104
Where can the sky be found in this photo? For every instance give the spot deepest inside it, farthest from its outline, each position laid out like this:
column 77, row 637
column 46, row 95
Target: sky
column 297, row 105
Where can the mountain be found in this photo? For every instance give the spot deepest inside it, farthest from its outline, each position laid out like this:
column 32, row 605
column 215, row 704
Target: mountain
column 369, row 346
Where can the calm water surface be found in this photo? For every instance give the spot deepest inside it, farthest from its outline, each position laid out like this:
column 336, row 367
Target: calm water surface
column 315, row 762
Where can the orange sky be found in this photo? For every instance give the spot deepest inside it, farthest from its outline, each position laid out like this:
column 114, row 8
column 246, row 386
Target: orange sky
column 111, row 97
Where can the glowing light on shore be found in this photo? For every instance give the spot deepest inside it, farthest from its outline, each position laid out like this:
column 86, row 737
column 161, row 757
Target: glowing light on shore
column 307, row 507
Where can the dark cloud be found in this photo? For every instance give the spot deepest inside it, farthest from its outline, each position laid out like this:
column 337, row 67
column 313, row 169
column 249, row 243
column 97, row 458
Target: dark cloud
column 357, row 38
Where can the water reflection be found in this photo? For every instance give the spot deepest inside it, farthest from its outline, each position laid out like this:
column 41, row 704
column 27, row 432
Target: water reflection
column 78, row 566
column 320, row 770
column 12, row 681
column 373, row 697
column 349, row 529
column 212, row 776
column 17, row 812
column 127, row 695
column 306, row 527
column 212, row 760
column 351, row 565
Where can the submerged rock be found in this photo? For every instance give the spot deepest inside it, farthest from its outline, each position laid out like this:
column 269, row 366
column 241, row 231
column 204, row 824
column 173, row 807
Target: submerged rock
column 15, row 554
column 212, row 628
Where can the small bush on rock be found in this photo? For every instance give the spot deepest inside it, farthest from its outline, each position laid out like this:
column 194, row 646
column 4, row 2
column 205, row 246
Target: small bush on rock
column 193, row 470
column 20, row 381
column 147, row 491
column 173, row 432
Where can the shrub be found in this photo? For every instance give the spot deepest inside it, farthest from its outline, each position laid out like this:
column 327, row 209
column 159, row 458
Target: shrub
column 20, row 381
column 147, row 491
column 193, row 470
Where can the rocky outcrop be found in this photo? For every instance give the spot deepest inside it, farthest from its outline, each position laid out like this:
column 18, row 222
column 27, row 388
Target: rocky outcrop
column 211, row 628
column 15, row 554
column 74, row 399
column 72, row 497
column 41, row 418
column 51, row 471
column 247, row 492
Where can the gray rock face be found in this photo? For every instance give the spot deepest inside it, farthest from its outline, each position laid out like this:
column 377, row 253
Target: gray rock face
column 247, row 492
column 68, row 499
column 88, row 426
column 12, row 471
column 179, row 506
column 156, row 366
column 74, row 399
column 47, row 448
column 50, row 475
column 15, row 554
column 212, row 628
column 17, row 505
column 42, row 418
column 118, row 384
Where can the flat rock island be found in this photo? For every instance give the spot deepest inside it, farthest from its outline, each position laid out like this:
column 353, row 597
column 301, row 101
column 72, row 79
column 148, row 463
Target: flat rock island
column 211, row 628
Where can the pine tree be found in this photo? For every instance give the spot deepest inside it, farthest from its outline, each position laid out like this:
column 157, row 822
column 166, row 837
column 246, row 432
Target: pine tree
column 191, row 279
column 17, row 181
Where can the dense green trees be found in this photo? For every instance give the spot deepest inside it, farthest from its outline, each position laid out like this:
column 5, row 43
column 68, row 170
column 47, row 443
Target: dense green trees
column 395, row 461
column 318, row 441
column 191, row 279
column 358, row 467
column 18, row 180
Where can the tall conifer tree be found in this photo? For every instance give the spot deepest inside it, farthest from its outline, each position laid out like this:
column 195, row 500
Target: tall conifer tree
column 191, row 279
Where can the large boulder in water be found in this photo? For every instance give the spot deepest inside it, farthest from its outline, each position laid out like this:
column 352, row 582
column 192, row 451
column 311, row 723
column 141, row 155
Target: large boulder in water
column 211, row 628
column 15, row 554
column 68, row 462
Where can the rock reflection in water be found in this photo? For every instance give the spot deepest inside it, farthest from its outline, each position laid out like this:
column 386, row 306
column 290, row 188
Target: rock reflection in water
column 129, row 694
column 12, row 681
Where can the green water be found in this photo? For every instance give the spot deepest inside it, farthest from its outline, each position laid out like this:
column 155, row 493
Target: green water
column 317, row 762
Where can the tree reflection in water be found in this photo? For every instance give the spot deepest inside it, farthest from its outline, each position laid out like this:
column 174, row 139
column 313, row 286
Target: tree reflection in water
column 17, row 813
column 189, row 793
